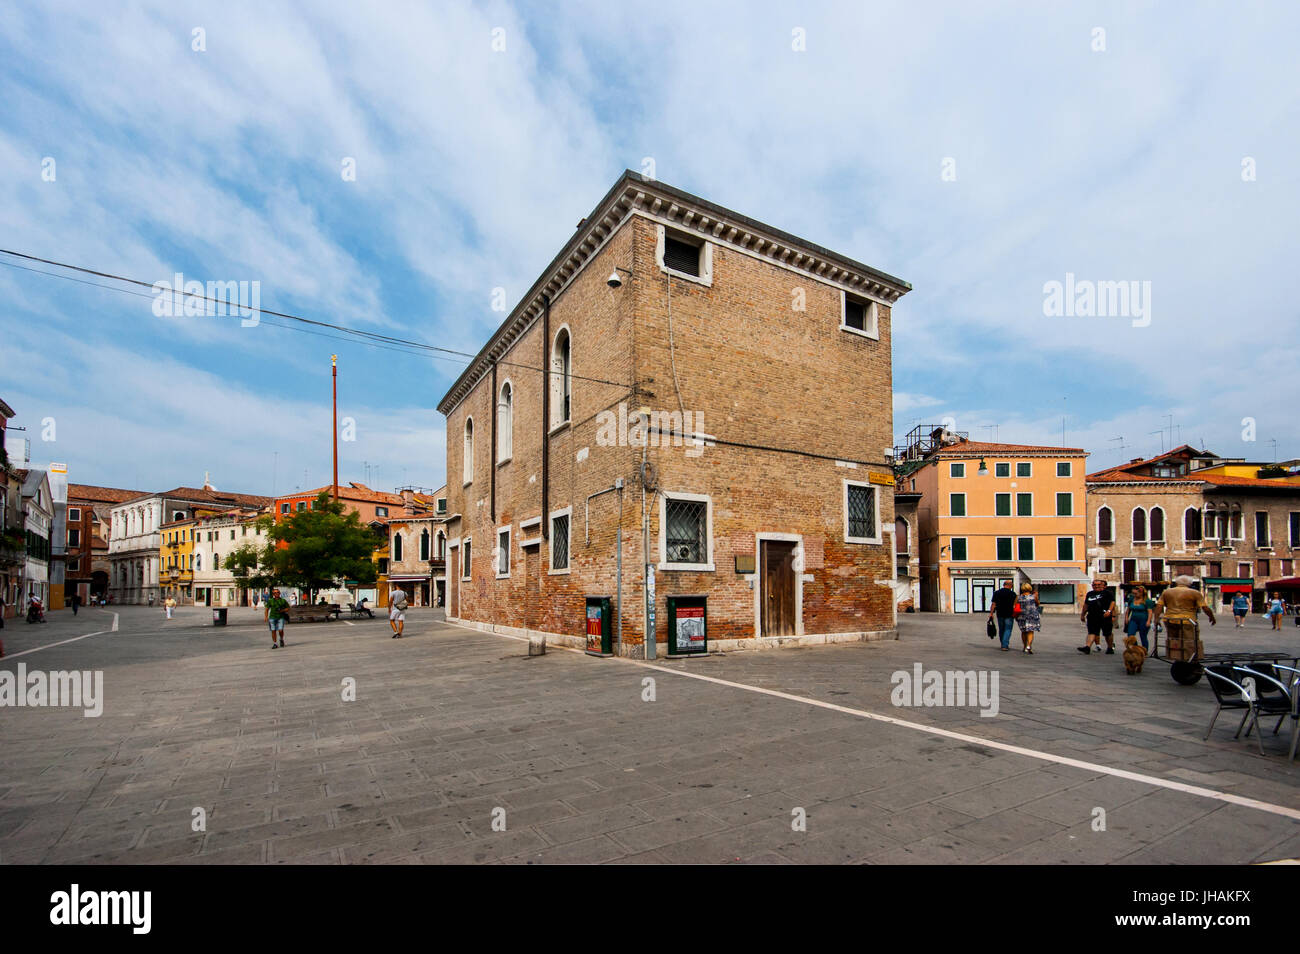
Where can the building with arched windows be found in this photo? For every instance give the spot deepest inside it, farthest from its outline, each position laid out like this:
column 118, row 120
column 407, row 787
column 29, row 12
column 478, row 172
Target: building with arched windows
column 1226, row 522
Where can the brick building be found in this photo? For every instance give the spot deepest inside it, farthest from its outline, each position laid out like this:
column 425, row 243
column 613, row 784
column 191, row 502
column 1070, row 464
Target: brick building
column 1192, row 512
column 715, row 392
column 89, row 528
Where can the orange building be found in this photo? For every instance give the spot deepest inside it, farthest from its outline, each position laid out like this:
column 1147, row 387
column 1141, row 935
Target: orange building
column 995, row 512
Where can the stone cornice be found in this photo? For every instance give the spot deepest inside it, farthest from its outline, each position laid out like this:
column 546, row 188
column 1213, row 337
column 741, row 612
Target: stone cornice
column 633, row 194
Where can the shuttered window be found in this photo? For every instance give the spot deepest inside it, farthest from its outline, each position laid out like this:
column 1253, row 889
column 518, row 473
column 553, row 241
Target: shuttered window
column 681, row 256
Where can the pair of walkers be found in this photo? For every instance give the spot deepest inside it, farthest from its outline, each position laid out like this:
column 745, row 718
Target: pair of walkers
column 1008, row 610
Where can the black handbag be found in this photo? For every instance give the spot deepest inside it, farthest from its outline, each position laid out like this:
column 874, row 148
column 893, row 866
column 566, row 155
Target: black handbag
column 992, row 629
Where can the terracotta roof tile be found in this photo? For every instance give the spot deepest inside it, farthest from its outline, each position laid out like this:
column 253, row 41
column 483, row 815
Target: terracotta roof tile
column 986, row 447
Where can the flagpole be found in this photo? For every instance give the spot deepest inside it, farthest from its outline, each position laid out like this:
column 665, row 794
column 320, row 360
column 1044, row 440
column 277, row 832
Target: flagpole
column 334, row 368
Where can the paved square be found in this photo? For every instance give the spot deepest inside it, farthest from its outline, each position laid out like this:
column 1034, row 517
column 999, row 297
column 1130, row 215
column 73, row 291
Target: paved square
column 455, row 733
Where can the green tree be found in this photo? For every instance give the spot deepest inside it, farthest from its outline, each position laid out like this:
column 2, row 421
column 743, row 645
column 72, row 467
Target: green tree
column 322, row 547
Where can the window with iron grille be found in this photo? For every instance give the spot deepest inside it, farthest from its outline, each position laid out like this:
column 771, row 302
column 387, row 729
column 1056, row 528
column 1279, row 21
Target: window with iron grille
column 681, row 256
column 861, row 505
column 465, row 557
column 686, row 529
column 503, row 552
column 560, row 542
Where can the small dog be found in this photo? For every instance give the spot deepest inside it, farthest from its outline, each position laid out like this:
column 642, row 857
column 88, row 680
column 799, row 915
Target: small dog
column 1134, row 656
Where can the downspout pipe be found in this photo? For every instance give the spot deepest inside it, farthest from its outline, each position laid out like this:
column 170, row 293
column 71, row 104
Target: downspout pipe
column 546, row 416
column 492, row 451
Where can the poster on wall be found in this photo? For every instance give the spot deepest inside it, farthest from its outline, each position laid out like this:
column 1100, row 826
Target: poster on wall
column 690, row 629
column 594, row 629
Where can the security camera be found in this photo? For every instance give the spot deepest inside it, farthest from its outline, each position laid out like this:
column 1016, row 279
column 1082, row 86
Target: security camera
column 614, row 281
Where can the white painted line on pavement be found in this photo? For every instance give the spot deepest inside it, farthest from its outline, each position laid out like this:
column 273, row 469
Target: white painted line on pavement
column 37, row 649
column 350, row 624
column 1154, row 780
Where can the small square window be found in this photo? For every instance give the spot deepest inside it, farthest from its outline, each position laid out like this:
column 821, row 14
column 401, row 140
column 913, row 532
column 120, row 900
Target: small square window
column 1024, row 548
column 1065, row 505
column 1063, row 468
column 1004, row 549
column 74, row 515
column 1002, row 505
column 284, row 508
column 381, row 511
column 681, row 256
column 959, row 549
column 859, row 315
column 1002, row 470
column 1065, row 548
column 1024, row 505
column 957, row 505
column 1024, row 469
column 956, row 470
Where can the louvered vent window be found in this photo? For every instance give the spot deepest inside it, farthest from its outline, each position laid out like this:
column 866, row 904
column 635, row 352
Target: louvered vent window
column 681, row 256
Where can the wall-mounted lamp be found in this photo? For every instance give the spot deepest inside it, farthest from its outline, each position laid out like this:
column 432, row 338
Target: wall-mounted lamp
column 614, row 281
column 984, row 468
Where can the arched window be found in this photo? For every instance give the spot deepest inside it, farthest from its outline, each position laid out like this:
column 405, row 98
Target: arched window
column 397, row 548
column 1157, row 525
column 442, row 546
column 1139, row 525
column 901, row 543
column 505, row 422
column 1105, row 525
column 1211, row 527
column 469, row 450
column 198, row 562
column 216, row 561
column 561, row 378
column 424, row 545
column 1191, row 525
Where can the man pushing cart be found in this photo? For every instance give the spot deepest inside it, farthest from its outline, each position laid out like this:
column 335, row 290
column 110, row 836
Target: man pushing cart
column 1179, row 606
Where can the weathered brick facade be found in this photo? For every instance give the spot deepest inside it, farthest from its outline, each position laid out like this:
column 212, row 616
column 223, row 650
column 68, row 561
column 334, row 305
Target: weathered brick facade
column 750, row 353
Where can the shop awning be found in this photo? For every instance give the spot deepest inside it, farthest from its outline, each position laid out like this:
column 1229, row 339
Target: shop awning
column 1289, row 583
column 1054, row 575
column 409, row 579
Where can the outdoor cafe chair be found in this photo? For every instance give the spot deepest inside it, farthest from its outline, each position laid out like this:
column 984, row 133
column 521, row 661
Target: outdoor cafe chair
column 1275, row 698
column 1229, row 694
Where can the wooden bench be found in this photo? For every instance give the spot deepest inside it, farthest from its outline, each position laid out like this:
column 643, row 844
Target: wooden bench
column 310, row 613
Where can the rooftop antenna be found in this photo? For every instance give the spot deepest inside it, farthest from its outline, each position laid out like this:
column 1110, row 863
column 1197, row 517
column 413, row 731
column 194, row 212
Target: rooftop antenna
column 1161, row 432
column 1120, row 450
column 1171, row 431
column 1273, row 441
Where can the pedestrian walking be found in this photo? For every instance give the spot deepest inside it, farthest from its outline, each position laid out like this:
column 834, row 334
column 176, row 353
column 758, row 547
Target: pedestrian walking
column 1240, row 607
column 169, row 605
column 1276, row 608
column 1099, row 616
column 1137, row 615
column 275, row 612
column 76, row 602
column 1004, row 608
column 1030, row 617
column 397, row 611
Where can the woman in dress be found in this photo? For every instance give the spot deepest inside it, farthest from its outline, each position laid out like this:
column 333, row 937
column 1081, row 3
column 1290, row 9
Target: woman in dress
column 1137, row 615
column 1030, row 618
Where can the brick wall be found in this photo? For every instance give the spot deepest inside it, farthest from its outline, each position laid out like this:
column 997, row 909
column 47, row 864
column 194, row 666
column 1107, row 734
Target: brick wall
column 755, row 371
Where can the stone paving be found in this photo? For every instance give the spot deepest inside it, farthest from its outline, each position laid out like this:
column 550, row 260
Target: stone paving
column 456, row 734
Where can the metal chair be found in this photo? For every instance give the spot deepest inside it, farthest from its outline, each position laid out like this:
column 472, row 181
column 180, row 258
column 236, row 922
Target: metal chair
column 1274, row 698
column 1229, row 694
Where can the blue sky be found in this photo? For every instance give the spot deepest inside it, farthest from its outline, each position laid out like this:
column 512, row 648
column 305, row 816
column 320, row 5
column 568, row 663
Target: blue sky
column 473, row 165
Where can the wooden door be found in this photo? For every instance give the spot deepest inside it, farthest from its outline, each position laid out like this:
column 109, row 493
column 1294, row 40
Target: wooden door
column 777, row 595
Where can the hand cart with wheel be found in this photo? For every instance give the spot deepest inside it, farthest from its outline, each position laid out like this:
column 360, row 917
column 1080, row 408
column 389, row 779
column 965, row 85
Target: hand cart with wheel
column 1184, row 651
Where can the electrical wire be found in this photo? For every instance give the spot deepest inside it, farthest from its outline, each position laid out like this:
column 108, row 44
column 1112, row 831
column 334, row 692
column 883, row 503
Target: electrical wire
column 368, row 337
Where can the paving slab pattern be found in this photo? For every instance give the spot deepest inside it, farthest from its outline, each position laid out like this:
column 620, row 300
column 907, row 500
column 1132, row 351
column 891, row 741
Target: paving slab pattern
column 459, row 748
